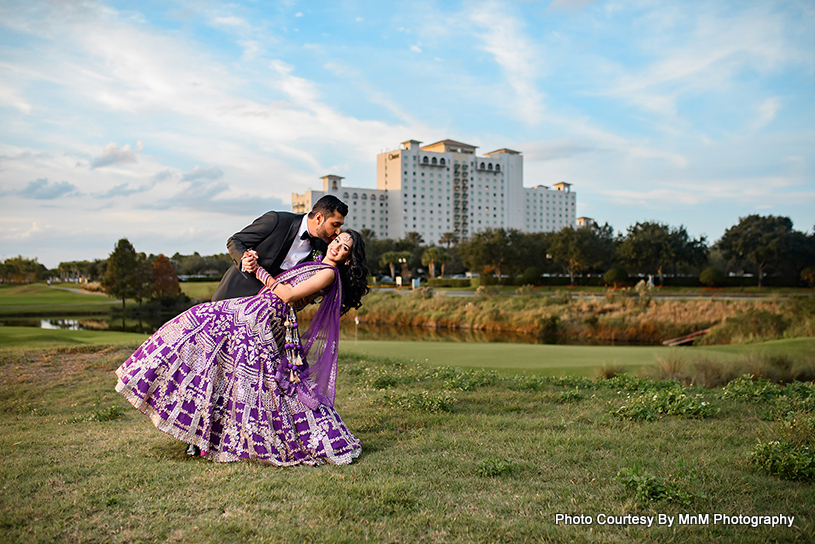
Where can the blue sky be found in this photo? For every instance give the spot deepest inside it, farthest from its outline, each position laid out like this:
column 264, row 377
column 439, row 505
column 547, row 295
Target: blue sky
column 176, row 123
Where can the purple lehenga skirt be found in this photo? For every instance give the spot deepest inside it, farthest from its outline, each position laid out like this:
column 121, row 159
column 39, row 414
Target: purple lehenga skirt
column 207, row 378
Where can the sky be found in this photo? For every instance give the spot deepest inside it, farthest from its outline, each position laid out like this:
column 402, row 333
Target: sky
column 176, row 123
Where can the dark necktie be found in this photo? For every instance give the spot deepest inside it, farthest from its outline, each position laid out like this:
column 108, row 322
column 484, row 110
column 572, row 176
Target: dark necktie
column 307, row 236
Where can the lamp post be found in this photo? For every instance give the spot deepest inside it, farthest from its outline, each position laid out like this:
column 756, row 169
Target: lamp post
column 403, row 262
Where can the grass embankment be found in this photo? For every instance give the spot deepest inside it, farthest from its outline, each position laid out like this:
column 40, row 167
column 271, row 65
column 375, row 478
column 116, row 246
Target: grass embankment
column 447, row 457
column 41, row 299
column 615, row 318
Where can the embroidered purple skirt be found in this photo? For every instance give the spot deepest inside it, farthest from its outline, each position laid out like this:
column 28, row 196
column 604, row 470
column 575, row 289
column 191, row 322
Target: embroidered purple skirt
column 207, row 378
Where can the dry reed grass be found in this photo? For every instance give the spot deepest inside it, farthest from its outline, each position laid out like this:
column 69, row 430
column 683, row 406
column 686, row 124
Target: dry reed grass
column 617, row 319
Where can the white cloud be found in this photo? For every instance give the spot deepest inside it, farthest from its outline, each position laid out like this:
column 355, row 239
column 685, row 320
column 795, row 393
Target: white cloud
column 113, row 154
column 569, row 3
column 503, row 37
column 231, row 21
column 767, row 111
column 415, row 48
column 42, row 189
column 211, row 173
column 697, row 52
column 12, row 97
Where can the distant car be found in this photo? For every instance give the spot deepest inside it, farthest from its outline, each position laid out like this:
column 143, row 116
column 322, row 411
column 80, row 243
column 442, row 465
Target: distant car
column 386, row 279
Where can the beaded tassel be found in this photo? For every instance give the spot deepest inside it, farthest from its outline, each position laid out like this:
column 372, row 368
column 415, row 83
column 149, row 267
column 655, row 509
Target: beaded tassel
column 293, row 347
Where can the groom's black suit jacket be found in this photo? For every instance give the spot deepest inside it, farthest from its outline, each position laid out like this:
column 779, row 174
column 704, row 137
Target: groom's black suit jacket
column 271, row 236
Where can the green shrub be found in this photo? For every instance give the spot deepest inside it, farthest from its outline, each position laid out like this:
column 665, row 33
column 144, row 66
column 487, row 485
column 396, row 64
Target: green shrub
column 785, row 460
column 423, row 400
column 653, row 488
column 494, row 467
column 649, row 406
column 615, row 276
column 798, row 428
column 566, row 397
column 469, row 380
column 751, row 389
column 712, row 277
column 532, row 276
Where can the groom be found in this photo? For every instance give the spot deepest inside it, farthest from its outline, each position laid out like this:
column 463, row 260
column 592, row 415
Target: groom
column 277, row 241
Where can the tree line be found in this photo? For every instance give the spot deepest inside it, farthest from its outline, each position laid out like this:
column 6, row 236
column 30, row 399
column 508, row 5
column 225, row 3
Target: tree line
column 757, row 245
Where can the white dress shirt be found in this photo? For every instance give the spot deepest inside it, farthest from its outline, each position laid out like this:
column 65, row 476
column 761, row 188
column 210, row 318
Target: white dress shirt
column 299, row 248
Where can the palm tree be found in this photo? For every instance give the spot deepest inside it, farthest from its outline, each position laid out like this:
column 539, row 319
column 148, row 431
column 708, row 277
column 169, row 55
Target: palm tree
column 449, row 239
column 433, row 255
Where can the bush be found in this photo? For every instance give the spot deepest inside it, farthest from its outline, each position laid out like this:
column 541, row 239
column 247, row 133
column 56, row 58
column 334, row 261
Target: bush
column 648, row 406
column 494, row 467
column 615, row 276
column 712, row 277
column 532, row 275
column 785, row 460
column 750, row 389
column 652, row 488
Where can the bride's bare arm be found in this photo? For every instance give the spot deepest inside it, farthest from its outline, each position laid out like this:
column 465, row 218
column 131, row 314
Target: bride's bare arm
column 287, row 293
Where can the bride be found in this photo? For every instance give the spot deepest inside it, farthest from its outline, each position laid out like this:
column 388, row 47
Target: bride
column 234, row 379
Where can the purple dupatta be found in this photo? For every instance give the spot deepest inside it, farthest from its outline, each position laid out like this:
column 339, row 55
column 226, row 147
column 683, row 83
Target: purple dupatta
column 320, row 342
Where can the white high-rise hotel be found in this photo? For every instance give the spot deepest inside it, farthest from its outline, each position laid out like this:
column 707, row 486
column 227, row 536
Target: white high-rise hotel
column 445, row 187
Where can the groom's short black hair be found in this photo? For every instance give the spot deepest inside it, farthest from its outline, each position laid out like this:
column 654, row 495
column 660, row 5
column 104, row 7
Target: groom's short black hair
column 328, row 205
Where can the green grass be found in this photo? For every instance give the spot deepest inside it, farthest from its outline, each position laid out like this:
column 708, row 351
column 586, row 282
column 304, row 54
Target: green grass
column 199, row 290
column 560, row 359
column 34, row 337
column 41, row 299
column 505, row 358
column 495, row 465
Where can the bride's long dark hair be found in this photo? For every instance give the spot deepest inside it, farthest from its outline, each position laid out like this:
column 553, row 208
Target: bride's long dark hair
column 354, row 274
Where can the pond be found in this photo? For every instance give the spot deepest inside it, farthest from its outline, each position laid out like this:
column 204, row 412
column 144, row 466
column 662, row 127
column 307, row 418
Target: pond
column 348, row 330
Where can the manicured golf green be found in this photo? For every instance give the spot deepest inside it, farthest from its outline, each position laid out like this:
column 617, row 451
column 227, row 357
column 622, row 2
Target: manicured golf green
column 41, row 299
column 515, row 358
column 559, row 359
column 32, row 337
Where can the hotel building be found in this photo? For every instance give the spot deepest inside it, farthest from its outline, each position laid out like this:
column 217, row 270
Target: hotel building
column 446, row 187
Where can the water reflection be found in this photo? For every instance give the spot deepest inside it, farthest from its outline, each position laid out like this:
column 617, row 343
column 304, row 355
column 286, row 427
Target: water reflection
column 64, row 324
column 89, row 323
column 348, row 330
